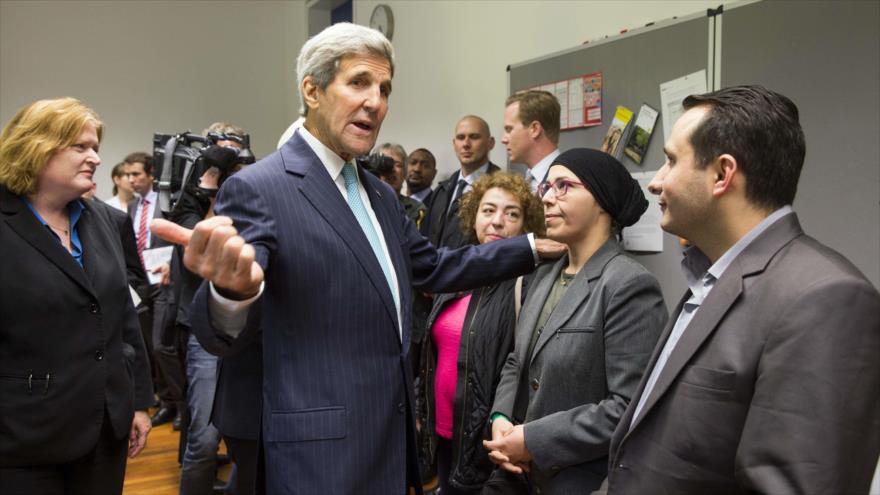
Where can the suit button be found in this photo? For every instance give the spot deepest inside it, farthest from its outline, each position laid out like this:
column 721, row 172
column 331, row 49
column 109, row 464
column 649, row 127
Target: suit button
column 93, row 308
column 401, row 408
column 534, row 384
column 99, row 355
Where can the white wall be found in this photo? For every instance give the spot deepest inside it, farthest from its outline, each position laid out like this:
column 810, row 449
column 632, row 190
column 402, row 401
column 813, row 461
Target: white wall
column 148, row 66
column 452, row 56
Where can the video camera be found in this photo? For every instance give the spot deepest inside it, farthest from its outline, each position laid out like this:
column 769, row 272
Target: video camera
column 181, row 159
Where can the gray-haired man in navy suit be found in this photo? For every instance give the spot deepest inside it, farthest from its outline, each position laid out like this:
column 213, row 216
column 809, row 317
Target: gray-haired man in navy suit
column 319, row 256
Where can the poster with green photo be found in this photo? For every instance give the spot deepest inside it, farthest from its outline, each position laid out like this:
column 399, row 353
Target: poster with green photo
column 637, row 145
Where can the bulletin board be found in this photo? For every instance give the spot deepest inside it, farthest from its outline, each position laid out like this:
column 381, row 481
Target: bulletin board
column 825, row 56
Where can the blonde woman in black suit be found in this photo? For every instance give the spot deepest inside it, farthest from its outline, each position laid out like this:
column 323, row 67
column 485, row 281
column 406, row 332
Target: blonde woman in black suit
column 74, row 376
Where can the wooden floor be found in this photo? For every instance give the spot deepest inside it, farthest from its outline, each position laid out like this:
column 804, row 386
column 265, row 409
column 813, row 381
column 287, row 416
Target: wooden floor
column 156, row 471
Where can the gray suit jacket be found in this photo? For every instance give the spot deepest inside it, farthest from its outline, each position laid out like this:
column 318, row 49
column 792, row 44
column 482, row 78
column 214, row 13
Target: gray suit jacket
column 585, row 366
column 772, row 388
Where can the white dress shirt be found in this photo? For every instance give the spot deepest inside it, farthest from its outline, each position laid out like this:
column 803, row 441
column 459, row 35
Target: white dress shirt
column 421, row 195
column 153, row 198
column 470, row 179
column 538, row 173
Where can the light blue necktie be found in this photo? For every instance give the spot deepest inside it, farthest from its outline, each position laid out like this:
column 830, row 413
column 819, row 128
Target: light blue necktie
column 360, row 213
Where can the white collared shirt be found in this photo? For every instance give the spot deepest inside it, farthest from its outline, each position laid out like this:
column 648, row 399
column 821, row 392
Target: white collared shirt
column 153, row 198
column 538, row 173
column 470, row 179
column 421, row 195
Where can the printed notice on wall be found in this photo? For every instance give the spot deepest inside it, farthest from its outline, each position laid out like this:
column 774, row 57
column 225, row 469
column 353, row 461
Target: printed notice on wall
column 580, row 100
column 560, row 90
column 593, row 99
column 673, row 92
column 646, row 235
column 637, row 145
column 611, row 143
column 575, row 107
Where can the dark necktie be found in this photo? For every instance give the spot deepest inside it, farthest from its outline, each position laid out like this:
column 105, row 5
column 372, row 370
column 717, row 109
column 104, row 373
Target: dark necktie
column 456, row 199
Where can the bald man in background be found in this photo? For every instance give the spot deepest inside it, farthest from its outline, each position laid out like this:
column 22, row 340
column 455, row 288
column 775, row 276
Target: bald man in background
column 472, row 142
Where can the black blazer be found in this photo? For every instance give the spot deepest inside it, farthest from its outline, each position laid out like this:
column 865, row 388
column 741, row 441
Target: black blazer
column 137, row 277
column 443, row 230
column 70, row 345
column 428, row 199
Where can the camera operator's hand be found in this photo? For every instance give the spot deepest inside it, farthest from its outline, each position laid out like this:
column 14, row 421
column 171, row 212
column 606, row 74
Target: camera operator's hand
column 215, row 252
column 210, row 179
column 222, row 157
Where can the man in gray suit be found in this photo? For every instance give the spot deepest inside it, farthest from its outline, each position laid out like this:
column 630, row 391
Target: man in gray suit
column 766, row 378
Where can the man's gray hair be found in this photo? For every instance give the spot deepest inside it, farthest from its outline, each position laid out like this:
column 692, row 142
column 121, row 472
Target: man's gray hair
column 395, row 148
column 320, row 55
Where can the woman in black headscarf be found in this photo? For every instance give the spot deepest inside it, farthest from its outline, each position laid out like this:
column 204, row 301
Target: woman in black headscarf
column 583, row 339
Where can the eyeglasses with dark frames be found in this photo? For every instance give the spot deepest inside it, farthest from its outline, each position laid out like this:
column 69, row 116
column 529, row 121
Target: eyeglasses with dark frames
column 560, row 187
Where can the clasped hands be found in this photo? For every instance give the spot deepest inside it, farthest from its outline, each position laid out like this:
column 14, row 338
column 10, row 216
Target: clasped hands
column 508, row 446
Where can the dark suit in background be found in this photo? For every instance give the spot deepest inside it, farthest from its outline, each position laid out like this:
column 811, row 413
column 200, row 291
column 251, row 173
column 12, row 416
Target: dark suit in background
column 442, row 224
column 137, row 277
column 73, row 367
column 337, row 389
column 158, row 315
column 426, row 200
column 772, row 387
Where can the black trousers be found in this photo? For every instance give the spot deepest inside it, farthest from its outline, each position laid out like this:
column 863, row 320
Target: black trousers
column 171, row 376
column 101, row 471
column 444, row 468
column 244, row 454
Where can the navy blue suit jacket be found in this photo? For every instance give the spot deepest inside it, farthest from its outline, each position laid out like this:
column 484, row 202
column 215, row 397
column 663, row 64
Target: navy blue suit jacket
column 336, row 386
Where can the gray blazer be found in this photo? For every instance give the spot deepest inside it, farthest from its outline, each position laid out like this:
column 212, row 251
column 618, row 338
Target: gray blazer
column 585, row 366
column 773, row 387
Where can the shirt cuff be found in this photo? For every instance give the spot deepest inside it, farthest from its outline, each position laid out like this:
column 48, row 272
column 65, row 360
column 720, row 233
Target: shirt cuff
column 531, row 237
column 228, row 315
column 498, row 415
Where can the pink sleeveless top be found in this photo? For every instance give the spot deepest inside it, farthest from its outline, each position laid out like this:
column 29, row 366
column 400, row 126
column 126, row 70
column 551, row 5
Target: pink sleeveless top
column 446, row 333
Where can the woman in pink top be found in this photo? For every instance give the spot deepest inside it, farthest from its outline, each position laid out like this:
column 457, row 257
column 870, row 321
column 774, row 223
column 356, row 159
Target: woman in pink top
column 471, row 335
